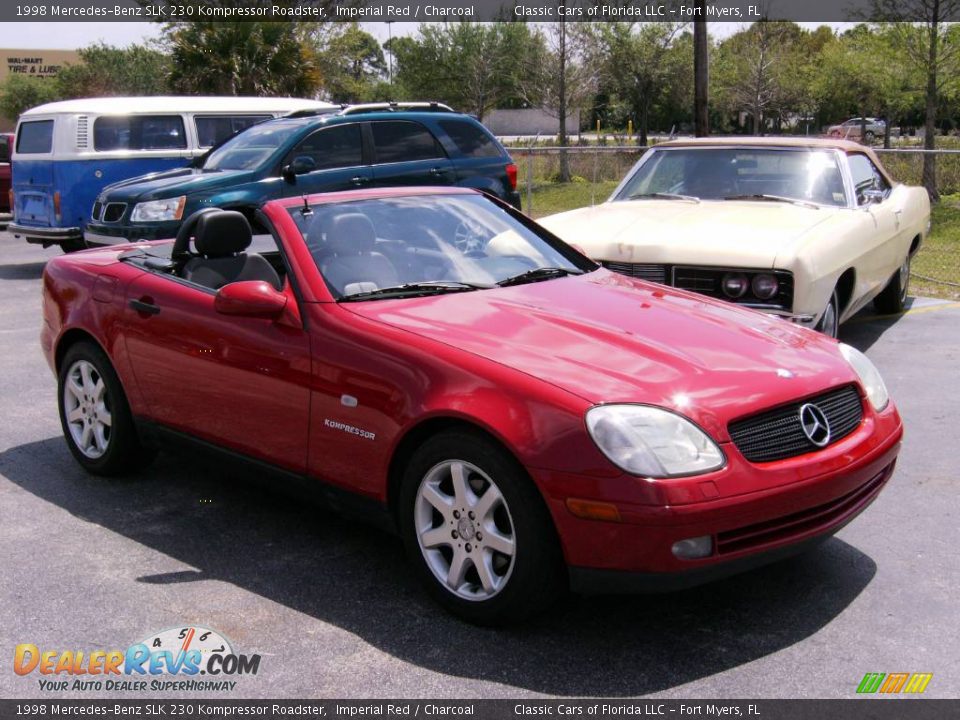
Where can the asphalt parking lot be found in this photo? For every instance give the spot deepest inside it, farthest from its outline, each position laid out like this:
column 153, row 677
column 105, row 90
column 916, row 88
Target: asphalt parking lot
column 92, row 564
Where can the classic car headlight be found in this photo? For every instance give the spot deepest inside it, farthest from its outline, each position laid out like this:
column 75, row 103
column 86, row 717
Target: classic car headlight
column 735, row 285
column 764, row 286
column 158, row 210
column 648, row 441
column 869, row 376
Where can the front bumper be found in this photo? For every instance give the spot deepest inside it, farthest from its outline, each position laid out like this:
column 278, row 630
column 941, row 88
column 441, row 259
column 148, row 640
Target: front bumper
column 102, row 234
column 803, row 501
column 45, row 236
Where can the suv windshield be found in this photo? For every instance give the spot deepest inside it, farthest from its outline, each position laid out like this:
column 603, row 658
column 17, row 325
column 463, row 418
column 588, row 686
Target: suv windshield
column 251, row 147
column 800, row 174
column 428, row 244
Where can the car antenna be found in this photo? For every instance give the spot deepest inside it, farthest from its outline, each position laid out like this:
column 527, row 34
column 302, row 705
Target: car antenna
column 306, row 209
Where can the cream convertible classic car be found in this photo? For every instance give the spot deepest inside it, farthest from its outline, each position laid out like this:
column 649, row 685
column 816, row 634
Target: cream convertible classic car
column 811, row 230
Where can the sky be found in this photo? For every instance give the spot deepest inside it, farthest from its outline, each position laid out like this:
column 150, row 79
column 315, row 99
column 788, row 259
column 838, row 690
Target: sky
column 69, row 36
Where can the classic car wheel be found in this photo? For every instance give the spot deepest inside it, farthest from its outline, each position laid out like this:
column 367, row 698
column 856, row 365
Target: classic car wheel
column 478, row 532
column 893, row 297
column 94, row 413
column 868, row 137
column 830, row 320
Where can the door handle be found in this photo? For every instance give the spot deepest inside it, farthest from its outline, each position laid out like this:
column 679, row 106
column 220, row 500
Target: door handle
column 359, row 180
column 438, row 170
column 142, row 306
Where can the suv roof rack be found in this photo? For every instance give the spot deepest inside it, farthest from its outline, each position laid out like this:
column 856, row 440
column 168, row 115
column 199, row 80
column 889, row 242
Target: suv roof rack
column 394, row 107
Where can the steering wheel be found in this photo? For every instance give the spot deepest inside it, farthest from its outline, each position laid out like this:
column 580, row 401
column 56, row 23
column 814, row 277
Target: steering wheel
column 468, row 240
column 181, row 246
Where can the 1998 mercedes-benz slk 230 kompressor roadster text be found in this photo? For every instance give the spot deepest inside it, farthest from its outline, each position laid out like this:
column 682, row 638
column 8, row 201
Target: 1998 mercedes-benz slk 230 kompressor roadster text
column 525, row 419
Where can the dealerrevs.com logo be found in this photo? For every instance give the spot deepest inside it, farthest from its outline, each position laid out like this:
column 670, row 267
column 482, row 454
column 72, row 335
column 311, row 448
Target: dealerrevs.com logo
column 168, row 661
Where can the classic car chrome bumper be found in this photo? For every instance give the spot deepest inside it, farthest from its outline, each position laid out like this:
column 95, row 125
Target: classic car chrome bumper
column 45, row 236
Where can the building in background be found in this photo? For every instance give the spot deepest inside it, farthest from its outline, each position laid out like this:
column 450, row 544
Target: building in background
column 32, row 63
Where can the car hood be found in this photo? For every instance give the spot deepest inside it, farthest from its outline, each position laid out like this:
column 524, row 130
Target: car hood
column 731, row 232
column 172, row 183
column 608, row 338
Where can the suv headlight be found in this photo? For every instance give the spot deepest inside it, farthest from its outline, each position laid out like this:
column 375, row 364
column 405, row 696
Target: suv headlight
column 649, row 441
column 159, row 210
column 869, row 376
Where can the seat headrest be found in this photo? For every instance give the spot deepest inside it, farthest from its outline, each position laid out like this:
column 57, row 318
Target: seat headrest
column 222, row 234
column 350, row 234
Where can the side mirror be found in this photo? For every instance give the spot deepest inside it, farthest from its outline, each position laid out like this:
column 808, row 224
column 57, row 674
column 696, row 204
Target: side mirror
column 250, row 298
column 873, row 196
column 301, row 165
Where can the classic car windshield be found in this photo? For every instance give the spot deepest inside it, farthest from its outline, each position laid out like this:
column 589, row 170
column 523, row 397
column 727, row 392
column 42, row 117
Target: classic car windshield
column 739, row 173
column 427, row 244
column 251, row 147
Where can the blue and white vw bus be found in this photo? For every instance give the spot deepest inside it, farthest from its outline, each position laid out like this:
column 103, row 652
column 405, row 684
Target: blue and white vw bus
column 66, row 152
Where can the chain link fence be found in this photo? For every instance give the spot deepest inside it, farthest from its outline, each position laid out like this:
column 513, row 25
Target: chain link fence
column 595, row 171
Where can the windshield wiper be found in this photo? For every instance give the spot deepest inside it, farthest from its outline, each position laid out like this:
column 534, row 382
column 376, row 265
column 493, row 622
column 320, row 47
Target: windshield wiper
column 664, row 196
column 543, row 273
column 430, row 287
column 774, row 198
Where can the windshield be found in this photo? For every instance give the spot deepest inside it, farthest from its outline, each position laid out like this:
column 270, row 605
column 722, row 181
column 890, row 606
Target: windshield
column 251, row 147
column 726, row 173
column 427, row 244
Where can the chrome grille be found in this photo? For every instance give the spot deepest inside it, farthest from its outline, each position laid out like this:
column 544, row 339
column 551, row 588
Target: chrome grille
column 778, row 434
column 641, row 271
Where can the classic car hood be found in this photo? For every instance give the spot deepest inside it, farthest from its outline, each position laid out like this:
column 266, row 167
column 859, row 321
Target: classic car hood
column 731, row 232
column 609, row 338
column 172, row 183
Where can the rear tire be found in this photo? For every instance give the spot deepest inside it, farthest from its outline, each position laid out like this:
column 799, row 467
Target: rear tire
column 95, row 415
column 893, row 298
column 829, row 323
column 477, row 531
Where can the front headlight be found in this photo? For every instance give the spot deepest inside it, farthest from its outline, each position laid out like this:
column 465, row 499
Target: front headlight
column 159, row 210
column 649, row 441
column 869, row 376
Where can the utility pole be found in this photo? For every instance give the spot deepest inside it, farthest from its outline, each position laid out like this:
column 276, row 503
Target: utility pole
column 390, row 50
column 701, row 117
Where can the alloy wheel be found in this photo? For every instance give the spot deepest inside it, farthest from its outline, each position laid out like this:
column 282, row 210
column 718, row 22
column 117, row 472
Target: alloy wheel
column 86, row 407
column 464, row 530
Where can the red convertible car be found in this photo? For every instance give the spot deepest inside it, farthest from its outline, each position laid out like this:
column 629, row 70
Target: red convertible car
column 433, row 359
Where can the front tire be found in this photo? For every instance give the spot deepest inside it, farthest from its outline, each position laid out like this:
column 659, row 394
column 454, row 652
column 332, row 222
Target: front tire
column 477, row 531
column 829, row 323
column 893, row 298
column 70, row 246
column 94, row 414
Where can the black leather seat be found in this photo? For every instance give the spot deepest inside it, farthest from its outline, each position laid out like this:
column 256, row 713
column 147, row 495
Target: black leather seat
column 349, row 261
column 220, row 239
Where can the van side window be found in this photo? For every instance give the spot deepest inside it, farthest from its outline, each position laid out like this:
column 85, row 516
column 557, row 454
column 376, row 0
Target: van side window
column 212, row 129
column 139, row 132
column 471, row 140
column 35, row 137
column 403, row 141
column 333, row 147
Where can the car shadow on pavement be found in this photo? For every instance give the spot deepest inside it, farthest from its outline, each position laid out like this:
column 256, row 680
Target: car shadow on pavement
column 866, row 327
column 355, row 577
column 22, row 271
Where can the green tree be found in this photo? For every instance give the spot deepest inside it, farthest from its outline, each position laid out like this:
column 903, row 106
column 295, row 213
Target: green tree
column 932, row 48
column 636, row 71
column 22, row 92
column 764, row 71
column 352, row 65
column 472, row 66
column 108, row 70
column 243, row 58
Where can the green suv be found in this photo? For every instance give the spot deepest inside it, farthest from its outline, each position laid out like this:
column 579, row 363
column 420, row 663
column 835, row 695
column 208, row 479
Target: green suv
column 358, row 146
